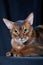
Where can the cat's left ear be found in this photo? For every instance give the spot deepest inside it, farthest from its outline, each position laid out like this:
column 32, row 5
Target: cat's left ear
column 8, row 23
column 30, row 18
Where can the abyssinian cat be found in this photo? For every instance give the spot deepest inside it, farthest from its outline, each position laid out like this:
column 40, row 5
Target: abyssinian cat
column 26, row 40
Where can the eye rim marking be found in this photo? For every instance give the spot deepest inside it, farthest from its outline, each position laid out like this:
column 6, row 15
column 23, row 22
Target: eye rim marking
column 26, row 31
column 15, row 32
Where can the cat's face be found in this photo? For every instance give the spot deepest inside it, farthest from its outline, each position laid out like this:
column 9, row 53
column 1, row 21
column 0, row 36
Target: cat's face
column 20, row 34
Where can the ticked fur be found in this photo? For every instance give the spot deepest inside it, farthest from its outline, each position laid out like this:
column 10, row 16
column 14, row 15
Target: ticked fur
column 25, row 40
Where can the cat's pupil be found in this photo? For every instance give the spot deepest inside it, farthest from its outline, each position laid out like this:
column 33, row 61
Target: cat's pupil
column 25, row 30
column 16, row 31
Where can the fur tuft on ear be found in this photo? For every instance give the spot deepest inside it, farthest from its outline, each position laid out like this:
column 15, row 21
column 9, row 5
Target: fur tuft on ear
column 30, row 18
column 8, row 23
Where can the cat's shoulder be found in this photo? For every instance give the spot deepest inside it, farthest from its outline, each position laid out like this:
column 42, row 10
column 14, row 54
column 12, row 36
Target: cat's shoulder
column 39, row 28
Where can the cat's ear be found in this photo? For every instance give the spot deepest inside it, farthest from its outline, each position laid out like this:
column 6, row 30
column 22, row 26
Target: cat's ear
column 30, row 18
column 8, row 23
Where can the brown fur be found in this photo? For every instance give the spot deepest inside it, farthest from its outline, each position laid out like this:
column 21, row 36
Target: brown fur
column 34, row 44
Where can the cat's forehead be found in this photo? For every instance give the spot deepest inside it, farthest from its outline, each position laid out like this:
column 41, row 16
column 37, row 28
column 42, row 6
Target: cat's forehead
column 20, row 23
column 23, row 23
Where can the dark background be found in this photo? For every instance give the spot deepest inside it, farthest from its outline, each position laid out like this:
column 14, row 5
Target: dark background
column 17, row 10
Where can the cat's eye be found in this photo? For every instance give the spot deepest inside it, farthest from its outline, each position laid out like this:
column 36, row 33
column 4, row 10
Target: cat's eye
column 15, row 32
column 25, row 31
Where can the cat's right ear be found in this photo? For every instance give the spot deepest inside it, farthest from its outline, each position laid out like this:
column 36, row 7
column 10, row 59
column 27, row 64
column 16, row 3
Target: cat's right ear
column 8, row 23
column 30, row 18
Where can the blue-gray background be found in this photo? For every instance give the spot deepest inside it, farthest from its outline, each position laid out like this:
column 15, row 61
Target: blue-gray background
column 15, row 10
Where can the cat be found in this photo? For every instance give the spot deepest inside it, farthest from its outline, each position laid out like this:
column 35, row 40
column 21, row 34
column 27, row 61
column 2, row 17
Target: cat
column 25, row 40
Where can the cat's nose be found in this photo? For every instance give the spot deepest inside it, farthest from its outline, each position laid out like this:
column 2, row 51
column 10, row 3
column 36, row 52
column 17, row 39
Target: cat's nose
column 21, row 38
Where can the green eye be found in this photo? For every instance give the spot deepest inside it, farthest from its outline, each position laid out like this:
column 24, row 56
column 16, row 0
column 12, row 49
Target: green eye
column 25, row 30
column 15, row 32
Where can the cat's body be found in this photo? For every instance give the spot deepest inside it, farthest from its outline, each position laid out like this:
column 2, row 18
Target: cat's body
column 25, row 41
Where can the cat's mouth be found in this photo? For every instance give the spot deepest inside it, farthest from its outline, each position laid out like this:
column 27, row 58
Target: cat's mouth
column 21, row 41
column 18, row 44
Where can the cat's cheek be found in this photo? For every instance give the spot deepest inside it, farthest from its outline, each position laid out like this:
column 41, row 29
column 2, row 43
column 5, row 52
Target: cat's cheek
column 12, row 43
column 12, row 35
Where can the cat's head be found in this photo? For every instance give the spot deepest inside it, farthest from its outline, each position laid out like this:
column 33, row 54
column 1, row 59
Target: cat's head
column 20, row 34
